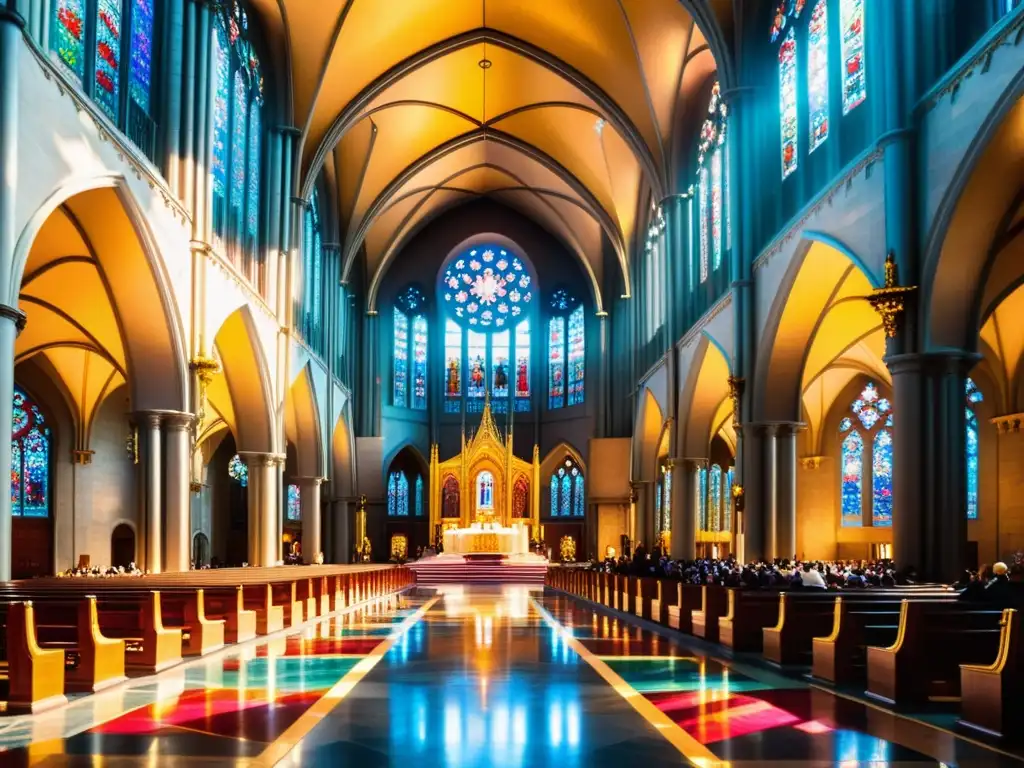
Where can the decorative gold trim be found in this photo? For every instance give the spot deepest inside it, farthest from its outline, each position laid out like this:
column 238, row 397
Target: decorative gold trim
column 81, row 456
column 890, row 301
column 811, row 462
column 736, row 384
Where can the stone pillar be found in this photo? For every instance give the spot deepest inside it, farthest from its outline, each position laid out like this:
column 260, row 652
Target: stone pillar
column 152, row 483
column 755, row 535
column 264, row 536
column 341, row 528
column 785, row 490
column 907, row 499
column 644, row 515
column 177, row 444
column 684, row 514
column 309, row 499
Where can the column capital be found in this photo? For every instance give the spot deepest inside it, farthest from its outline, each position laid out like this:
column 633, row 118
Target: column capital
column 949, row 361
column 178, row 422
column 13, row 314
column 255, row 459
column 775, row 428
column 150, row 419
column 812, row 462
column 304, row 481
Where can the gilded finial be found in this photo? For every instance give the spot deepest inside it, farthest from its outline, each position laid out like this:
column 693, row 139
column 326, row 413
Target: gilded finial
column 889, row 301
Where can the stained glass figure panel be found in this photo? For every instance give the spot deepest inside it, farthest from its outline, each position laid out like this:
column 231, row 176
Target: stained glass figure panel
column 108, row 55
column 400, row 352
column 851, row 24
column 419, row 363
column 419, row 495
column 238, row 471
column 817, row 74
column 666, row 524
column 556, row 362
column 500, row 348
column 476, row 378
column 576, row 356
column 141, row 73
column 240, row 112
column 67, row 36
column 30, row 459
column 716, row 209
column 402, row 503
column 252, row 214
column 485, row 490
column 852, row 458
column 565, row 502
column 787, row 103
column 715, row 499
column 659, row 495
column 727, row 514
column 881, row 469
column 222, row 77
column 452, row 367
column 703, row 194
column 973, row 396
column 523, row 366
column 702, row 499
column 554, row 495
column 393, row 494
column 294, row 503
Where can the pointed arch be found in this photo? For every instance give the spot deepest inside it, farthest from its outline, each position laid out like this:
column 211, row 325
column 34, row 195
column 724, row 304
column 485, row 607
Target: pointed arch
column 703, row 391
column 248, row 384
column 302, row 424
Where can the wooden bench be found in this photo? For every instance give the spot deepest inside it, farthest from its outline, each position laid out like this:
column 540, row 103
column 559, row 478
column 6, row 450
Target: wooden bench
column 748, row 613
column 228, row 604
column 801, row 619
column 259, row 598
column 204, row 635
column 92, row 662
column 666, row 596
column 34, row 675
column 713, row 605
column 932, row 640
column 309, row 599
column 627, row 594
column 646, row 591
column 991, row 693
column 680, row 614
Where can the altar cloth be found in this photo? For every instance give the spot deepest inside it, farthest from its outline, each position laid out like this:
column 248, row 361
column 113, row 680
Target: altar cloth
column 481, row 539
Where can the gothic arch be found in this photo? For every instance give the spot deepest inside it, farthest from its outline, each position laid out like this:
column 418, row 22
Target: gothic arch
column 816, row 321
column 556, row 455
column 344, row 465
column 248, row 407
column 302, row 425
column 88, row 272
column 703, row 393
column 650, row 422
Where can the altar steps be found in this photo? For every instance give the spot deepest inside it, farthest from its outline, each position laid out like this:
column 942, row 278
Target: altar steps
column 479, row 572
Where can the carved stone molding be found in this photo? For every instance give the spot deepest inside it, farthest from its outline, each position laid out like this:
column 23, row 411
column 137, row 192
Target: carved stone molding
column 812, row 462
column 1008, row 423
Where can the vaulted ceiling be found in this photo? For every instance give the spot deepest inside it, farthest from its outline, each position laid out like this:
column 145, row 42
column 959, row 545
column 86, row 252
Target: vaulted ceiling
column 566, row 110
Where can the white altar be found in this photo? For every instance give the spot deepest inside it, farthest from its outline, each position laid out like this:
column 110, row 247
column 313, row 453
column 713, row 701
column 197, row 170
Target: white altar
column 487, row 538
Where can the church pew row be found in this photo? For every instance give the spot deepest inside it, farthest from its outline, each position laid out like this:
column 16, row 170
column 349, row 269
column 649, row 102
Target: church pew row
column 904, row 644
column 59, row 637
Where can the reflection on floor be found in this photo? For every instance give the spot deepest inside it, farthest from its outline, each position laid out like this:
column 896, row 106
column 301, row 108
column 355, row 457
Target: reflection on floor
column 482, row 676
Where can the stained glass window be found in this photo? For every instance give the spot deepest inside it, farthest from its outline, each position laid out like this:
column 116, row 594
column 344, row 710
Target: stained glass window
column 851, row 23
column 870, row 407
column 576, row 356
column 523, row 366
column 419, row 495
column 881, row 470
column 787, row 102
column 398, row 495
column 221, row 76
column 452, row 366
column 703, row 192
column 554, row 495
column 817, row 74
column 485, row 490
column 419, row 363
column 783, row 10
column 401, row 358
column 294, row 503
column 568, row 491
column 659, row 494
column 578, row 494
column 108, row 55
column 852, row 458
column 973, row 396
column 565, row 502
column 238, row 471
column 238, row 143
column 715, row 496
column 666, row 524
column 499, row 371
column 702, row 499
column 521, row 498
column 476, row 378
column 141, row 74
column 68, row 35
column 727, row 515
column 30, row 459
column 487, row 287
column 556, row 362
column 716, row 209
column 253, row 206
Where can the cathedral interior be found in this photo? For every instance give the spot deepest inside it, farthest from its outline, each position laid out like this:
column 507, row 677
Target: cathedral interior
column 352, row 284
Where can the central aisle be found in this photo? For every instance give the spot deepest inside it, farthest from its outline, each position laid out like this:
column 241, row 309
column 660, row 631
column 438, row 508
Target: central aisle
column 484, row 679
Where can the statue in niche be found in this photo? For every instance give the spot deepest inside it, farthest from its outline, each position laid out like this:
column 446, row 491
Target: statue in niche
column 522, row 378
column 500, row 377
column 453, row 377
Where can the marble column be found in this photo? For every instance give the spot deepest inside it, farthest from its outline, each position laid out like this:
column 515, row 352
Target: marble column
column 684, row 513
column 309, row 500
column 177, row 446
column 340, row 527
column 785, row 489
column 907, row 498
column 152, row 483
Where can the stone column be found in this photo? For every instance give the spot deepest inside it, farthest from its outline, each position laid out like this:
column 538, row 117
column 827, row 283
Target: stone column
column 309, row 499
column 907, row 499
column 785, row 489
column 684, row 514
column 152, row 483
column 755, row 535
column 263, row 507
column 644, row 515
column 177, row 444
column 340, row 527
column 769, row 486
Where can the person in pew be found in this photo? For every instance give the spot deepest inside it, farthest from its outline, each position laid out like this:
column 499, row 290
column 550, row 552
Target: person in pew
column 811, row 578
column 998, row 593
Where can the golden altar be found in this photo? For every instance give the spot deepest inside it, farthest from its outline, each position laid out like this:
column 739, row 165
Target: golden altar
column 487, row 539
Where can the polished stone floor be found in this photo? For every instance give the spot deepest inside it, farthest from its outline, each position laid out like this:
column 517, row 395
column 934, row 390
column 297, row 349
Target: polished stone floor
column 476, row 676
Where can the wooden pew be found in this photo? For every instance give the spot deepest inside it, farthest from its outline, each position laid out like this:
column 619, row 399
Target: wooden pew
column 323, row 593
column 749, row 612
column 229, row 604
column 286, row 596
column 205, row 635
column 101, row 659
column 306, row 595
column 666, row 595
column 269, row 617
column 35, row 676
column 646, row 591
column 680, row 614
column 627, row 594
column 802, row 617
column 137, row 618
column 932, row 640
column 713, row 605
column 991, row 693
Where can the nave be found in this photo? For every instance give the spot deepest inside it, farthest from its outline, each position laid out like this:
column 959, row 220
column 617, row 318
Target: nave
column 485, row 675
